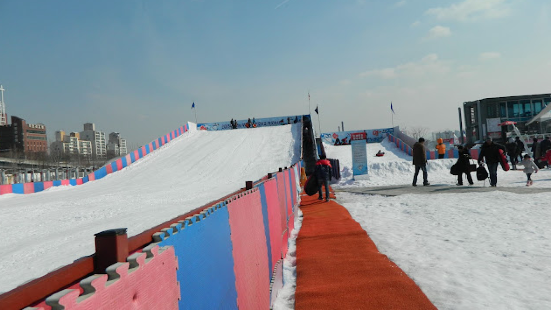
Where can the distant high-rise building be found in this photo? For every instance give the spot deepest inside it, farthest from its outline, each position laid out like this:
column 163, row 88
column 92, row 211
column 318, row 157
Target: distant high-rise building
column 97, row 138
column 23, row 137
column 3, row 116
column 70, row 144
column 116, row 145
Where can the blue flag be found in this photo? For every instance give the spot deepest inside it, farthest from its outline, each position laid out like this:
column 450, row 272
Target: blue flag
column 193, row 105
column 316, row 110
column 391, row 108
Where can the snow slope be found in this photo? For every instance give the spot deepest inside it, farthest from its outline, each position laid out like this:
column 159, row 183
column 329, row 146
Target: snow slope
column 44, row 231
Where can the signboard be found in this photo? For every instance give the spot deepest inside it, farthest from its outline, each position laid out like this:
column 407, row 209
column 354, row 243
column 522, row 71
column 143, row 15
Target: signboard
column 492, row 127
column 345, row 137
column 359, row 157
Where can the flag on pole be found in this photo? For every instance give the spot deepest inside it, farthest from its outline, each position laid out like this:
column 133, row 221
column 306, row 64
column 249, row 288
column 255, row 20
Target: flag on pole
column 193, row 105
column 391, row 108
column 316, row 110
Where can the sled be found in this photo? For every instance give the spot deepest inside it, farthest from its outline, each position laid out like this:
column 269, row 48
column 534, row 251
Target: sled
column 311, row 185
column 380, row 154
column 503, row 161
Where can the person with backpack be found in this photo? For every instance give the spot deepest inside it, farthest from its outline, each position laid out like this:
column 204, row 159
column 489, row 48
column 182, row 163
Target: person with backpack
column 463, row 162
column 323, row 173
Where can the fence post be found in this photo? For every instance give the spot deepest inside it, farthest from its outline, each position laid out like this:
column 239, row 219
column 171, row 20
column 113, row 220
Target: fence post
column 111, row 247
column 248, row 185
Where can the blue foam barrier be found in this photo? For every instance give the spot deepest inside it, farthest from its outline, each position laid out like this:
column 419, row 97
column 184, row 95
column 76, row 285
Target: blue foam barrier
column 38, row 187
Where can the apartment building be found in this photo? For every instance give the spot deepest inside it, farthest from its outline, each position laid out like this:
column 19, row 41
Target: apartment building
column 97, row 138
column 22, row 137
column 70, row 144
column 116, row 145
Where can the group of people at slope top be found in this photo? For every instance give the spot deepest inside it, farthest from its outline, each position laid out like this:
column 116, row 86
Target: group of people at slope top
column 489, row 153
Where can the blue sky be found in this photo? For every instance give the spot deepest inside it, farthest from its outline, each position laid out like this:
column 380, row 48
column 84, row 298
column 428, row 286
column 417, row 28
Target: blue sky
column 136, row 66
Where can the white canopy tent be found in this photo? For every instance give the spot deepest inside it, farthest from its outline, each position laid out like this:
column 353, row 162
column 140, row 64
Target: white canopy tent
column 545, row 114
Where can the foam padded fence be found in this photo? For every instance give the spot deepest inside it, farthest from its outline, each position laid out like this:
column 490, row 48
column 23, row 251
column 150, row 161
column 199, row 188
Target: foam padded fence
column 146, row 281
column 249, row 251
column 203, row 247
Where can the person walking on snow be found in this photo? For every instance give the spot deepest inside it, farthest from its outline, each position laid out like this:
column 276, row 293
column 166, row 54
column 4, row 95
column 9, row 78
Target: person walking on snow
column 463, row 164
column 529, row 168
column 490, row 152
column 441, row 147
column 512, row 151
column 520, row 148
column 420, row 161
column 323, row 173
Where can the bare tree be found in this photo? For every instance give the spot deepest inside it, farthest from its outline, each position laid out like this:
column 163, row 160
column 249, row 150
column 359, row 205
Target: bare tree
column 418, row 132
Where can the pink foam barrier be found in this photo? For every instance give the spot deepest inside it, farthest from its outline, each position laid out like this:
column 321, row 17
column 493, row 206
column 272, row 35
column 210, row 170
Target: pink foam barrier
column 450, row 154
column 28, row 188
column 109, row 169
column 284, row 242
column 128, row 159
column 250, row 254
column 136, row 155
column 48, row 184
column 79, row 181
column 274, row 218
column 143, row 151
column 119, row 164
column 6, row 189
column 65, row 182
column 281, row 198
column 475, row 154
column 134, row 285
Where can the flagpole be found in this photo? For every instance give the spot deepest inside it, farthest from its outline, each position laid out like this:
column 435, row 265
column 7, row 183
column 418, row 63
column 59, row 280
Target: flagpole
column 319, row 124
column 309, row 107
column 195, row 115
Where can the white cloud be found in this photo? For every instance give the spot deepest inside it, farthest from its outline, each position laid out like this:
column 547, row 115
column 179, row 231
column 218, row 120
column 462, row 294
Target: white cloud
column 430, row 64
column 489, row 55
column 470, row 10
column 415, row 23
column 400, row 4
column 439, row 32
column 345, row 82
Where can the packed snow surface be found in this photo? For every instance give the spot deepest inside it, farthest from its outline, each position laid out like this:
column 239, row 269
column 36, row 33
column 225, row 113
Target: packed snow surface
column 47, row 230
column 466, row 251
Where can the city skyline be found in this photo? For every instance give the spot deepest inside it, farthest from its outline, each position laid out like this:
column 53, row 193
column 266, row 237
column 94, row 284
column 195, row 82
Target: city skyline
column 137, row 67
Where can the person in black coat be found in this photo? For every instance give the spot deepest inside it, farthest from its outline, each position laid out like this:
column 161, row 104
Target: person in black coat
column 463, row 162
column 490, row 152
column 520, row 148
column 512, row 151
column 544, row 146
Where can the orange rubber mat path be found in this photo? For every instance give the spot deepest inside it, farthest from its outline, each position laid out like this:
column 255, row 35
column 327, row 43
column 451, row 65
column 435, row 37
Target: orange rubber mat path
column 339, row 266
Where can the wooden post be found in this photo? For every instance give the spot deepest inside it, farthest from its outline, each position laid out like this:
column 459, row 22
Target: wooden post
column 111, row 247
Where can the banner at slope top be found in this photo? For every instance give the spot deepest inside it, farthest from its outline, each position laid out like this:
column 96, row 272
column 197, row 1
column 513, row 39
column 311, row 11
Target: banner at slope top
column 373, row 136
column 253, row 123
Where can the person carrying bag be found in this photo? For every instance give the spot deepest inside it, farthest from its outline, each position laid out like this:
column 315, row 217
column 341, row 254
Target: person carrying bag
column 463, row 165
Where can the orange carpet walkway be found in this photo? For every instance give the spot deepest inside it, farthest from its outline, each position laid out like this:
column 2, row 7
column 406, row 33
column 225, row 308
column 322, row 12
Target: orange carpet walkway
column 339, row 267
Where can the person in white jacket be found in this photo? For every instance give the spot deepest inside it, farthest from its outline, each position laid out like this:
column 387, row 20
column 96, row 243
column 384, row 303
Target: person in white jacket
column 529, row 168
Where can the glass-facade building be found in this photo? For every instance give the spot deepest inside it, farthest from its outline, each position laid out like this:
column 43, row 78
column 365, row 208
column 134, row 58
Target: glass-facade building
column 482, row 116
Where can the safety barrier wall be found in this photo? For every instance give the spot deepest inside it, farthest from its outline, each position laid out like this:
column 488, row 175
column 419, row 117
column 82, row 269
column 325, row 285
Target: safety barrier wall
column 35, row 187
column 227, row 256
column 430, row 154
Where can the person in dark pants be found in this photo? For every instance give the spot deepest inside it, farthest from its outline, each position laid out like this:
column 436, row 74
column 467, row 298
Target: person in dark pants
column 323, row 173
column 420, row 161
column 463, row 162
column 490, row 152
column 544, row 146
column 534, row 147
column 512, row 151
column 520, row 148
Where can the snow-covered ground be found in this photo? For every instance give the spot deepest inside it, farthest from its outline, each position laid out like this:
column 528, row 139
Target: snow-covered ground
column 466, row 251
column 44, row 231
